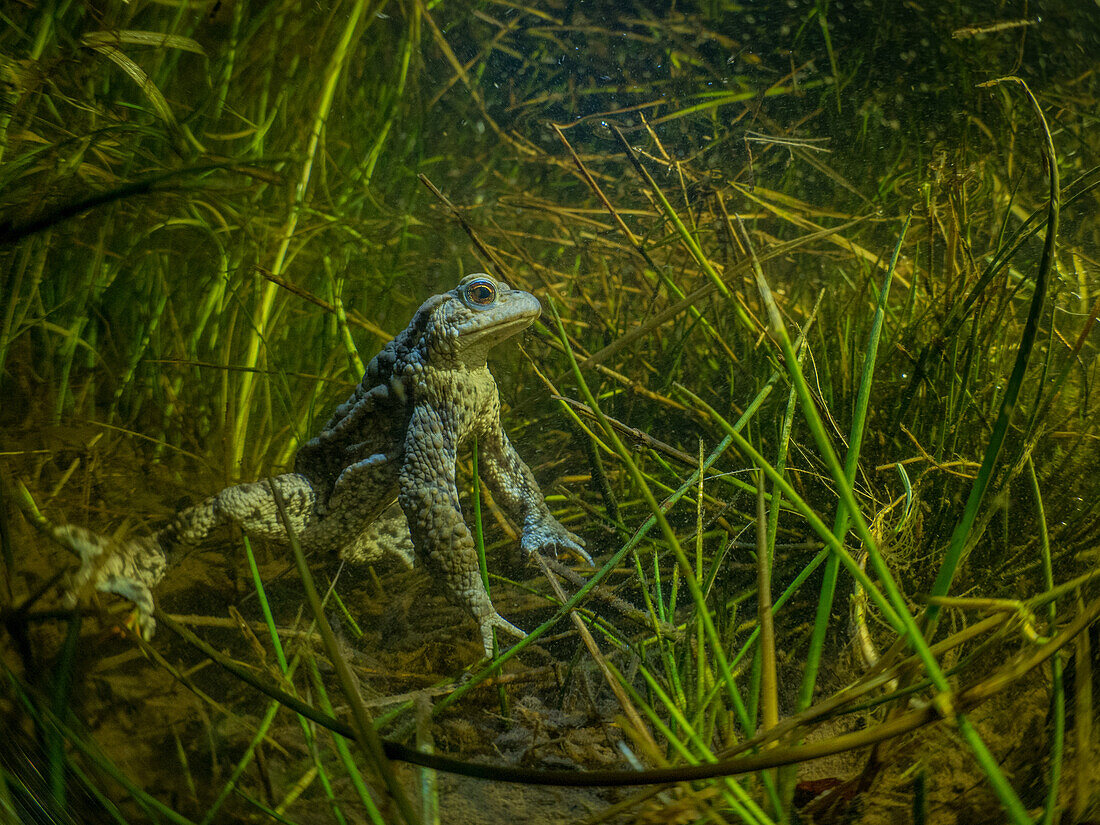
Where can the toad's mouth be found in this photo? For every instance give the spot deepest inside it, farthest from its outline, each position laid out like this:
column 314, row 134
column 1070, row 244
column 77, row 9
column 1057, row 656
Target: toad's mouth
column 518, row 311
column 501, row 329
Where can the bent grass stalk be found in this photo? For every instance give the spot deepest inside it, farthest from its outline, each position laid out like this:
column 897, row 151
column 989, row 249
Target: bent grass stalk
column 45, row 719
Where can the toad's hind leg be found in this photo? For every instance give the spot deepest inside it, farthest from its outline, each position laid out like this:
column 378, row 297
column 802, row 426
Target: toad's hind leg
column 250, row 506
column 132, row 568
column 387, row 535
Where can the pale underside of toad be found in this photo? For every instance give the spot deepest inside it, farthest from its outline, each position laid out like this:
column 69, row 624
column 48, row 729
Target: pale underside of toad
column 380, row 476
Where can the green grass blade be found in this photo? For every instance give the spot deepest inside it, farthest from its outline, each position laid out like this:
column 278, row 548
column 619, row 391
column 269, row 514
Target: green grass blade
column 962, row 533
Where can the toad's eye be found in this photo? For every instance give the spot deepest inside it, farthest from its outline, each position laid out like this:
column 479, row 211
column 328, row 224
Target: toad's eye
column 481, row 293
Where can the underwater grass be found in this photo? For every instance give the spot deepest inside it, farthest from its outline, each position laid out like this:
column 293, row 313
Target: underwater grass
column 209, row 224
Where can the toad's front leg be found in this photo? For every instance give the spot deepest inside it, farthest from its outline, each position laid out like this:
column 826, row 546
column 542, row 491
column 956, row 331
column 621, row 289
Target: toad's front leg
column 512, row 481
column 429, row 498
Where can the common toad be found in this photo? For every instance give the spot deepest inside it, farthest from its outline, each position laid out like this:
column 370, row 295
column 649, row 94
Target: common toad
column 380, row 476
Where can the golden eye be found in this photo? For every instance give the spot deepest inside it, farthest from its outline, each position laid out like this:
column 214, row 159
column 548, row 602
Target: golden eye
column 480, row 293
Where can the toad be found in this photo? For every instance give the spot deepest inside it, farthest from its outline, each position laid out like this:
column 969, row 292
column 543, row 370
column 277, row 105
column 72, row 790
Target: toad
column 380, row 476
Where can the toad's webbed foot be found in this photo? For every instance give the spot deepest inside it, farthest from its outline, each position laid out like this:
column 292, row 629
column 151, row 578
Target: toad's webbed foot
column 130, row 570
column 495, row 620
column 548, row 537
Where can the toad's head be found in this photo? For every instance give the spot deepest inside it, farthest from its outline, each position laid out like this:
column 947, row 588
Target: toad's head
column 462, row 325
